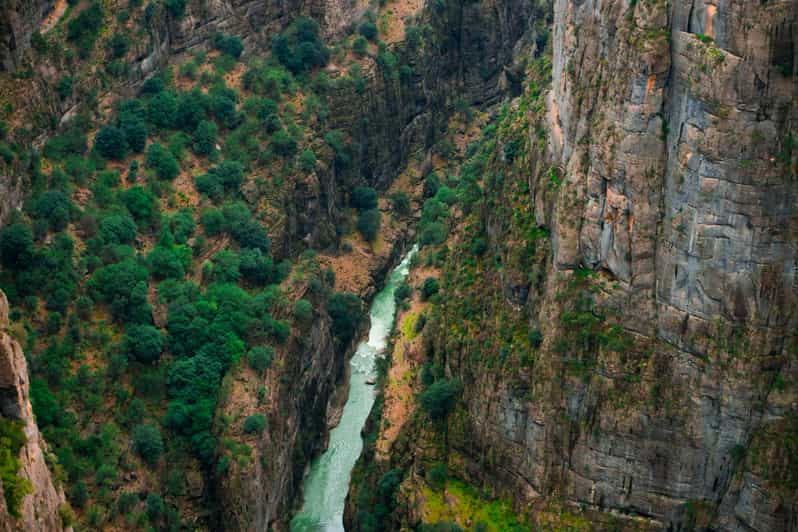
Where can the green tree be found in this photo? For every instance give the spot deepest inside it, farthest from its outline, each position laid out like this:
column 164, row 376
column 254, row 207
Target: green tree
column 254, row 424
column 205, row 137
column 401, row 203
column 144, row 343
column 303, row 311
column 440, row 398
column 346, row 311
column 368, row 30
column 307, row 160
column 162, row 161
column 134, row 130
column 53, row 206
column 139, row 203
column 110, row 142
column 162, row 110
column 283, row 144
column 260, row 358
column 364, row 198
column 433, row 234
column 368, row 223
column 148, row 443
column 16, row 246
column 360, row 46
column 429, row 288
column 231, row 45
column 118, row 229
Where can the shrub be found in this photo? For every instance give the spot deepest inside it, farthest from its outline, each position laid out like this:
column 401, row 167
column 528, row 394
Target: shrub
column 118, row 45
column 212, row 221
column 254, row 424
column 15, row 487
column 16, row 246
column 260, row 358
column 434, row 233
column 364, row 198
column 64, row 87
column 429, row 288
column 440, row 398
column 139, row 203
column 303, row 310
column 117, row 229
column 84, row 28
column 148, row 443
column 53, row 206
column 205, row 137
column 400, row 202
column 231, row 45
column 134, row 131
column 431, row 184
column 144, row 343
column 191, row 109
column 162, row 110
column 283, row 144
column 368, row 30
column 368, row 223
column 162, row 161
column 403, row 291
column 360, row 46
column 346, row 311
column 307, row 160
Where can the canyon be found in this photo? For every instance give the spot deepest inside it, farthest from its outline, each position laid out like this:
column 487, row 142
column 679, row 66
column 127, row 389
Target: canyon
column 614, row 285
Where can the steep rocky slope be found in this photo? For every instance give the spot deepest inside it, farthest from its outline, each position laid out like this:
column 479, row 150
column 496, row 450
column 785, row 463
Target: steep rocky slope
column 626, row 344
column 44, row 505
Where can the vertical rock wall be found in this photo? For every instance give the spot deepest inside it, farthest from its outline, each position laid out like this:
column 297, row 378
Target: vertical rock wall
column 40, row 509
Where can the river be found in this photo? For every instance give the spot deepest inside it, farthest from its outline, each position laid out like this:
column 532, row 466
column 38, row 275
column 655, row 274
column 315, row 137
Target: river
column 327, row 483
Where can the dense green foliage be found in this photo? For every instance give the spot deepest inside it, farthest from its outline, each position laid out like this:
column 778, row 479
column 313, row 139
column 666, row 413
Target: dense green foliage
column 300, row 48
column 368, row 223
column 346, row 311
column 15, row 487
column 440, row 398
column 364, row 198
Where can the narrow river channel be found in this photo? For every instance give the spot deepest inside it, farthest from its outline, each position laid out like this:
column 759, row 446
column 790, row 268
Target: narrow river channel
column 327, row 483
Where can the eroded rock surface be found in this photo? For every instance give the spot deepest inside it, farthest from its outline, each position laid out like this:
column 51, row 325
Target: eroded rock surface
column 40, row 509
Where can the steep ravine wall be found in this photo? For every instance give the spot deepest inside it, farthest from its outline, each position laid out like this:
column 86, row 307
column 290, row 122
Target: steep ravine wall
column 670, row 122
column 40, row 510
column 414, row 114
column 664, row 389
column 671, row 126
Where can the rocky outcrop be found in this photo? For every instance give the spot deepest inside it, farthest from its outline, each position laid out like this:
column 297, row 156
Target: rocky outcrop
column 663, row 388
column 40, row 509
column 673, row 127
column 19, row 19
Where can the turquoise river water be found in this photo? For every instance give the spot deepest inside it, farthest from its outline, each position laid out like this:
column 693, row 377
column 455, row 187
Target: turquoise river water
column 327, row 483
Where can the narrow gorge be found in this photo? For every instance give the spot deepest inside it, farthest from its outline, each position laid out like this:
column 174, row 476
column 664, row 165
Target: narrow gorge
column 574, row 223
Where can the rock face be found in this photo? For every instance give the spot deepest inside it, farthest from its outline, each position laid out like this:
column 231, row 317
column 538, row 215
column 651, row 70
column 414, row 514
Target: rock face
column 18, row 20
column 40, row 509
column 670, row 139
column 672, row 124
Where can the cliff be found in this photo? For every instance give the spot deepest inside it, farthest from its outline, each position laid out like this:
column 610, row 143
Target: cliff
column 626, row 345
column 19, row 19
column 42, row 508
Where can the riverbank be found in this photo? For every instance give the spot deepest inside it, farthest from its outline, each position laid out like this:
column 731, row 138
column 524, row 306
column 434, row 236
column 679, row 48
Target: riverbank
column 326, row 484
